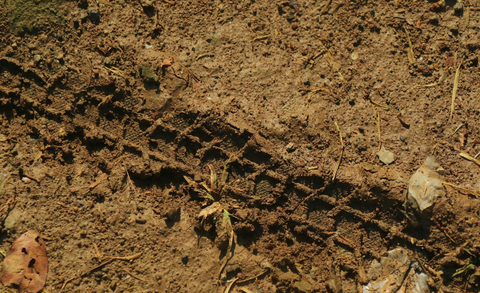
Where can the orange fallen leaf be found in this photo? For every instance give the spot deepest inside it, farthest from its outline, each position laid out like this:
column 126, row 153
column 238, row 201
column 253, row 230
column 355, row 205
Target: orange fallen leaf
column 26, row 263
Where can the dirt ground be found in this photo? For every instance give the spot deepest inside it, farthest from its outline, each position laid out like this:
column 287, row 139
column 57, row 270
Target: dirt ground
column 231, row 146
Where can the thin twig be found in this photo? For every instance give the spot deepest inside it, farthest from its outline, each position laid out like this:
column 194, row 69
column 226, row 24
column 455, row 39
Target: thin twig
column 384, row 107
column 134, row 276
column 266, row 270
column 455, row 88
column 467, row 191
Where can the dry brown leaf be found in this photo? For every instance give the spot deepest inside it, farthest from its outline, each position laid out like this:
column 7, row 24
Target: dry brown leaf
column 210, row 210
column 26, row 263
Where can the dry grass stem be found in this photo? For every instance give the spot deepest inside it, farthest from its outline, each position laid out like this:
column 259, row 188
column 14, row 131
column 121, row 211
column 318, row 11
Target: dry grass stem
column 454, row 92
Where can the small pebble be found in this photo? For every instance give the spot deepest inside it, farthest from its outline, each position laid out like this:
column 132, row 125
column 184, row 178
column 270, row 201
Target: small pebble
column 94, row 14
column 458, row 7
column 306, row 81
column 290, row 16
column 294, row 26
column 185, row 259
column 107, row 61
column 402, row 138
column 147, row 3
column 433, row 19
column 385, row 156
column 290, row 147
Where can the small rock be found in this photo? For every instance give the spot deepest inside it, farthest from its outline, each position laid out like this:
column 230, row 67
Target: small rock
column 32, row 45
column 37, row 58
column 83, row 15
column 402, row 138
column 294, row 26
column 433, row 19
column 438, row 6
column 370, row 167
column 162, row 226
column 290, row 147
column 148, row 74
column 94, row 15
column 306, row 81
column 425, row 187
column 13, row 220
column 147, row 3
column 59, row 56
column 391, row 273
column 385, row 156
column 107, row 61
column 458, row 7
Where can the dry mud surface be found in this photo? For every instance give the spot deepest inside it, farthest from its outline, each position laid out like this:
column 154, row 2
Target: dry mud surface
column 198, row 141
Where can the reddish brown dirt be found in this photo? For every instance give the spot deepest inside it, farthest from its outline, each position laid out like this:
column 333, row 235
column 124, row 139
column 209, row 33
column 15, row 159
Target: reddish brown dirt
column 121, row 123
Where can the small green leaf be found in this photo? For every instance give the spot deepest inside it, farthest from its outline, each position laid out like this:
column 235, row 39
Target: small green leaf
column 464, row 269
column 209, row 196
column 226, row 215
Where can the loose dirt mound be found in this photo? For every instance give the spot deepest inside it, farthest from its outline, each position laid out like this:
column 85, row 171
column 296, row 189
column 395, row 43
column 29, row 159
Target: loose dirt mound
column 138, row 135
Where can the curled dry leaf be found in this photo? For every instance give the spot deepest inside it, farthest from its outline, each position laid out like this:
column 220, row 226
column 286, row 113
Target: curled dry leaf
column 26, row 263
